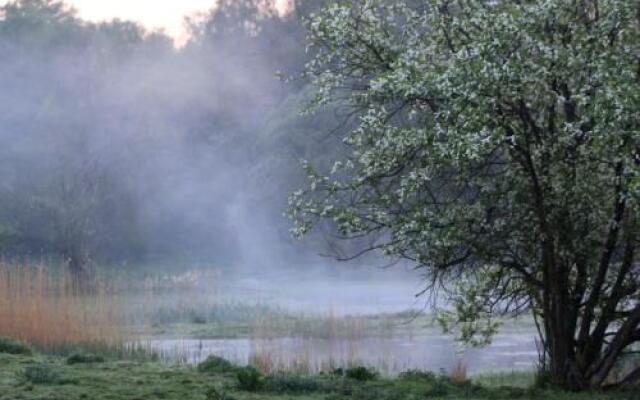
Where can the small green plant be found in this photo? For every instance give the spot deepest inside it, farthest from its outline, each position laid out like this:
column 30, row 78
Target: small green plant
column 84, row 358
column 417, row 375
column 42, row 374
column 290, row 383
column 10, row 346
column 216, row 365
column 360, row 373
column 249, row 379
column 216, row 393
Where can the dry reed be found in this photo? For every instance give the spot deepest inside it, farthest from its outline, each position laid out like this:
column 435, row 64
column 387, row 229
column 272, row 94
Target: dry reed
column 40, row 305
column 459, row 372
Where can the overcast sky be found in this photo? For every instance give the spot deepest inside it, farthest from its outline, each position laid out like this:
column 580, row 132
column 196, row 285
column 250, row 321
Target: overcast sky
column 153, row 14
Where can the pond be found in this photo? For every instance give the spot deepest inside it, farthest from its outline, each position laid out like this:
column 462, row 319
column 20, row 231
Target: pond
column 389, row 355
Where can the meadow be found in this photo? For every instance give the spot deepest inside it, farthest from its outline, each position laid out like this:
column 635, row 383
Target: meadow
column 35, row 376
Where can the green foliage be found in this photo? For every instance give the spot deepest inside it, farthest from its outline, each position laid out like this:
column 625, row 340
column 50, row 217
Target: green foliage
column 293, row 384
column 10, row 346
column 358, row 373
column 249, row 379
column 42, row 374
column 84, row 358
column 120, row 380
column 496, row 146
column 216, row 365
column 418, row 375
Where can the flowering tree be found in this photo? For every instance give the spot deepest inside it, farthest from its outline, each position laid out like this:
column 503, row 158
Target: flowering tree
column 497, row 146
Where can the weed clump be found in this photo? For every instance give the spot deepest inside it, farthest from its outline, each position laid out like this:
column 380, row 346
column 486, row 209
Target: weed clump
column 249, row 379
column 84, row 358
column 42, row 374
column 216, row 365
column 10, row 346
column 418, row 375
column 292, row 384
column 358, row 373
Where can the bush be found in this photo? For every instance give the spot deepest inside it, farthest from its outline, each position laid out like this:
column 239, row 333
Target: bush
column 360, row 373
column 418, row 375
column 11, row 346
column 216, row 365
column 249, row 379
column 287, row 383
column 42, row 374
column 84, row 358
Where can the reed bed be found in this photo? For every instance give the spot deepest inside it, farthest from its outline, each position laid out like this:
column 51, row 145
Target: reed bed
column 42, row 306
column 304, row 355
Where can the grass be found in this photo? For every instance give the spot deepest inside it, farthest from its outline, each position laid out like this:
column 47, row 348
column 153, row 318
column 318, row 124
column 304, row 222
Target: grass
column 31, row 377
column 519, row 379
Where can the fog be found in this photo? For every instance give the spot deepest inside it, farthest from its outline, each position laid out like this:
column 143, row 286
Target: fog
column 120, row 148
column 109, row 119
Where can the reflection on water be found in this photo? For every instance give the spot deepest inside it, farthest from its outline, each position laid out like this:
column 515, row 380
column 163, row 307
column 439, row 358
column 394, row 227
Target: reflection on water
column 388, row 355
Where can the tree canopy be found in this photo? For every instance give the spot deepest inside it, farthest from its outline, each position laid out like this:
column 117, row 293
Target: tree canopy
column 497, row 147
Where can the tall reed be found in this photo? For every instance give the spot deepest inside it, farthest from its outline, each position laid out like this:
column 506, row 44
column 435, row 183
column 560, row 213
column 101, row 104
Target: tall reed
column 42, row 306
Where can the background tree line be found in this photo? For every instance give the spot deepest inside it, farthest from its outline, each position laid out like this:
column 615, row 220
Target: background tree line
column 117, row 146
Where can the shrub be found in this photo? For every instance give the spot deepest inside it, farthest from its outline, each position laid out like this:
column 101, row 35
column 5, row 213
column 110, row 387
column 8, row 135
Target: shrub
column 418, row 375
column 84, row 358
column 360, row 373
column 249, row 379
column 288, row 383
column 216, row 365
column 11, row 346
column 42, row 374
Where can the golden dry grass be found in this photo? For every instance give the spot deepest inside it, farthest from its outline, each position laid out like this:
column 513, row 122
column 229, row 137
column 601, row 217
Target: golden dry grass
column 39, row 305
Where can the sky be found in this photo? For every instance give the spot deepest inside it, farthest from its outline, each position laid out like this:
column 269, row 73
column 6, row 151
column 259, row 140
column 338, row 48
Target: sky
column 153, row 14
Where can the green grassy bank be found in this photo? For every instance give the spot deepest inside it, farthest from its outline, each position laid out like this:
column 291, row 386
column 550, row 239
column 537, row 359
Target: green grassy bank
column 34, row 376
